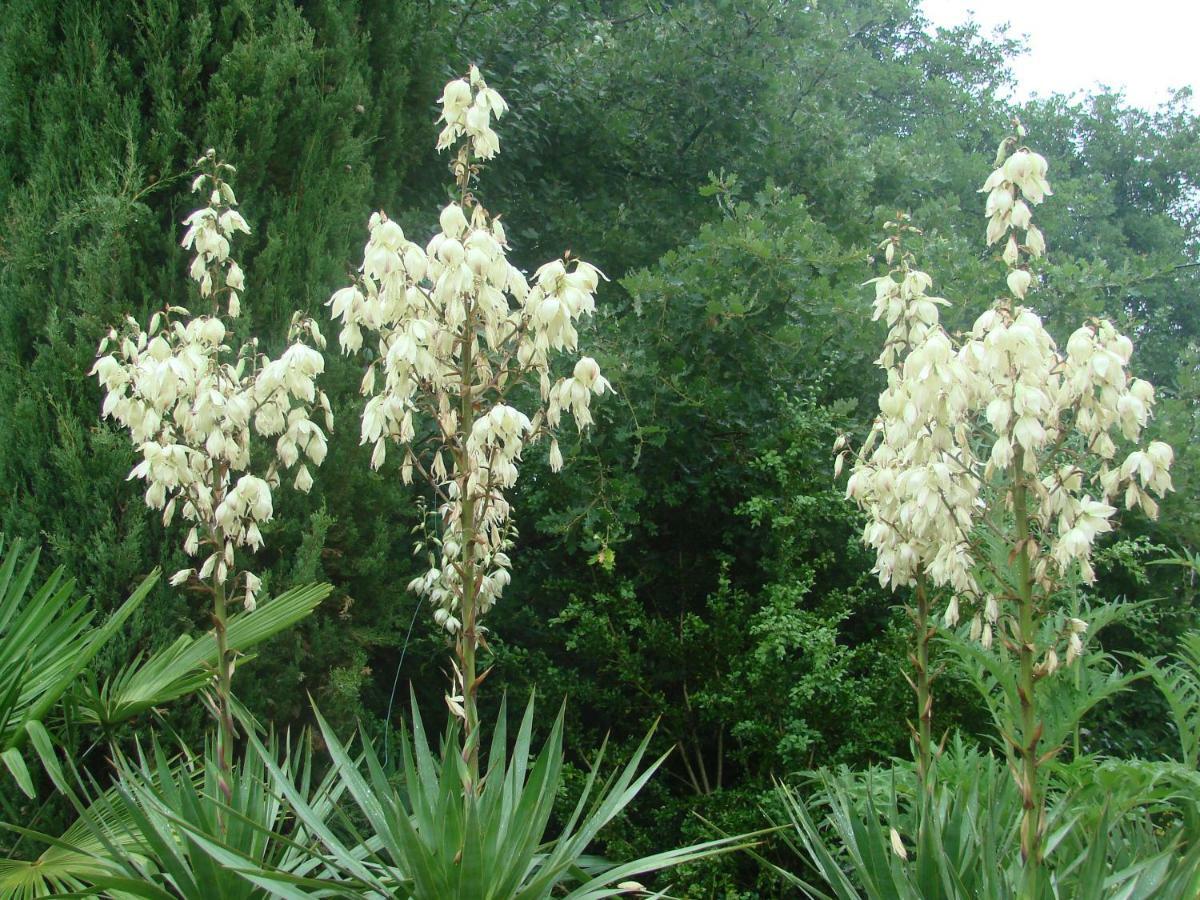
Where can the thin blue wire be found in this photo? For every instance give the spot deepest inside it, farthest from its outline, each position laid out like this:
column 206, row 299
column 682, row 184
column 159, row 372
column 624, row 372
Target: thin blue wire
column 387, row 722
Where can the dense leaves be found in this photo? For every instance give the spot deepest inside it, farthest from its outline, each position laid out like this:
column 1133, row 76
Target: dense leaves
column 727, row 166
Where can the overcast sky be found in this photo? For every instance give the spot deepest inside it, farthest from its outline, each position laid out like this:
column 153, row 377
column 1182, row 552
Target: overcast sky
column 1145, row 47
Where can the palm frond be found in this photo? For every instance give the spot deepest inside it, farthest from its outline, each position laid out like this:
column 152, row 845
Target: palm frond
column 169, row 829
column 46, row 640
column 188, row 664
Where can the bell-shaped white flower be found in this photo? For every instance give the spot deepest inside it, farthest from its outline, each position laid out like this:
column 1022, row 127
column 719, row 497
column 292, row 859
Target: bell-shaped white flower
column 190, row 401
column 453, row 327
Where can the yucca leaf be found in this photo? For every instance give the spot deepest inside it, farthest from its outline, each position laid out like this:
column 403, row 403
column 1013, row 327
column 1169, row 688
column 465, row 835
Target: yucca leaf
column 659, row 861
column 307, row 813
column 490, row 843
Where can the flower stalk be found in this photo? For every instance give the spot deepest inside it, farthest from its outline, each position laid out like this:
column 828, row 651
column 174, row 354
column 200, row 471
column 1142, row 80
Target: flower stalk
column 922, row 685
column 998, row 433
column 226, row 734
column 467, row 639
column 458, row 328
column 192, row 403
column 1031, row 728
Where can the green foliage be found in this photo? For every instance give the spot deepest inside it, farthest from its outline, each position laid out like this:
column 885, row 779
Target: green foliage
column 693, row 561
column 962, row 842
column 706, row 359
column 46, row 640
column 431, row 841
column 187, row 665
column 1179, row 682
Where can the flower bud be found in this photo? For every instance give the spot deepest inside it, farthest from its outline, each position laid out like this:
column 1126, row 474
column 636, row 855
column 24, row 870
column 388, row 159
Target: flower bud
column 1011, row 253
column 587, row 371
column 453, row 221
column 951, row 617
column 1018, row 282
column 304, row 480
column 1035, row 242
column 1021, row 216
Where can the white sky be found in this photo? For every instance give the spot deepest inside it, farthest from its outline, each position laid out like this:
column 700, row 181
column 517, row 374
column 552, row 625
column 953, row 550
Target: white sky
column 1145, row 47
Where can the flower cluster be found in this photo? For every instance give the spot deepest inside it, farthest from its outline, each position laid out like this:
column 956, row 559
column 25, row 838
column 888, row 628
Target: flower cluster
column 468, row 105
column 967, row 426
column 914, row 475
column 209, row 231
column 191, row 403
column 457, row 327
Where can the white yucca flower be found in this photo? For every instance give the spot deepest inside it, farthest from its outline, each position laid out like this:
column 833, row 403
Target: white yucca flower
column 962, row 421
column 454, row 327
column 194, row 406
column 468, row 106
column 914, row 473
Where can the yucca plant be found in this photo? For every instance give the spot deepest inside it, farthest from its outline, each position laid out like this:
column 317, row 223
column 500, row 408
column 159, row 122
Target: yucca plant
column 866, row 837
column 1112, row 828
column 859, row 831
column 46, row 639
column 172, row 826
column 431, row 838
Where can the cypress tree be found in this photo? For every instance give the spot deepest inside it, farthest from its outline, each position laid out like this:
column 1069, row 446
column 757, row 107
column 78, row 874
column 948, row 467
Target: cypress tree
column 103, row 109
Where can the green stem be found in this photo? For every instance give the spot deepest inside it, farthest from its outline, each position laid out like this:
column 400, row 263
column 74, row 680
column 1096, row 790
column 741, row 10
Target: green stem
column 468, row 635
column 923, row 688
column 1031, row 839
column 225, row 733
column 225, row 729
column 1076, row 743
column 468, row 638
column 224, row 678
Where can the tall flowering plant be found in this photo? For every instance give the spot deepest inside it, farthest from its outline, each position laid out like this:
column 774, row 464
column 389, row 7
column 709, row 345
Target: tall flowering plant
column 195, row 404
column 1001, row 432
column 456, row 329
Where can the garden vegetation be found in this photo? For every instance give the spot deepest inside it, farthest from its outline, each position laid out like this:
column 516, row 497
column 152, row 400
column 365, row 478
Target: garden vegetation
column 648, row 526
